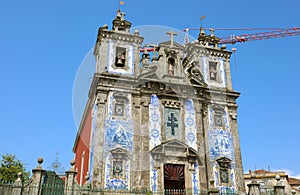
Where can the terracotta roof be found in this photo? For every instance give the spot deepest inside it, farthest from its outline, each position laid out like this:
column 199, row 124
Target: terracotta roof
column 294, row 181
column 261, row 172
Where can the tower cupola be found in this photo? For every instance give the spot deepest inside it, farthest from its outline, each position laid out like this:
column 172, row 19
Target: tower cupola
column 120, row 24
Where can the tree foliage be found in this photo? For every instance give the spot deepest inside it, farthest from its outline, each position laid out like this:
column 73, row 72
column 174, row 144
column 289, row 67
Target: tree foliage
column 10, row 166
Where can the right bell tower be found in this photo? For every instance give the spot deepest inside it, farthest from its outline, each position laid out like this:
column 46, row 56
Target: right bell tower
column 219, row 113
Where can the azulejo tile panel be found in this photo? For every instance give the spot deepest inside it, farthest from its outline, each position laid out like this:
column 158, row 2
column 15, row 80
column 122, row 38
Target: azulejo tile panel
column 221, row 145
column 118, row 134
column 155, row 136
column 154, row 122
column 190, row 124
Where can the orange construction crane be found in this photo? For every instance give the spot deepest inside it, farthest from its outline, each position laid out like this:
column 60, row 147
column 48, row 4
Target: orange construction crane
column 267, row 34
column 261, row 35
column 271, row 33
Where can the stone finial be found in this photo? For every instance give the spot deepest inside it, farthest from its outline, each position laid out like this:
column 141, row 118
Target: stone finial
column 19, row 176
column 212, row 32
column 18, row 181
column 223, row 47
column 40, row 160
column 105, row 26
column 72, row 162
column 253, row 178
column 87, row 177
column 122, row 15
column 119, row 13
column 136, row 32
column 277, row 177
column 293, row 191
column 202, row 32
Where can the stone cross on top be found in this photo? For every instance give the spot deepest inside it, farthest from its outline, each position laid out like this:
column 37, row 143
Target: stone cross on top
column 172, row 34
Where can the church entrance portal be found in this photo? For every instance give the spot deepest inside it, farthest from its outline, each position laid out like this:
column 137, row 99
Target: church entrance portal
column 174, row 179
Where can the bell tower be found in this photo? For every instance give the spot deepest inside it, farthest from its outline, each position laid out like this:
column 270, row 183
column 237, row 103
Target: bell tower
column 117, row 50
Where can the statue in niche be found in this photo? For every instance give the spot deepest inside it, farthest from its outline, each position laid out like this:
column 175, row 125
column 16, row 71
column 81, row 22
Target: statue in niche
column 171, row 64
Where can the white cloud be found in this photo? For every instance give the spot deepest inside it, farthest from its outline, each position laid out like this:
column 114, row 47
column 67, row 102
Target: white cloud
column 289, row 172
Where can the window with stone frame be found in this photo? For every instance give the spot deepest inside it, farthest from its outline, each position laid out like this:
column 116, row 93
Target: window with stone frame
column 119, row 157
column 120, row 59
column 218, row 118
column 117, row 168
column 119, row 105
column 224, row 169
column 213, row 71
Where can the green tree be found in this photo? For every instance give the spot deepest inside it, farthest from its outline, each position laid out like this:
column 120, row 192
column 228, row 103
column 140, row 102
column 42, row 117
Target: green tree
column 10, row 166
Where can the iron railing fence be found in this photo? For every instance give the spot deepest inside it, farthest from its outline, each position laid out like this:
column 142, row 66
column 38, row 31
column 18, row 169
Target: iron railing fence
column 30, row 189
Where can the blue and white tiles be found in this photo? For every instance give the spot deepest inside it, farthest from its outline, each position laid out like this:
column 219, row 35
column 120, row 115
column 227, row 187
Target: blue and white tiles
column 118, row 134
column 155, row 136
column 220, row 141
column 154, row 122
column 190, row 124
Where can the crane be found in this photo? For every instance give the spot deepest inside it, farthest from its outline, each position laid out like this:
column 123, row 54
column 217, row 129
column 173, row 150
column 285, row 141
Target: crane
column 270, row 33
column 267, row 33
column 261, row 35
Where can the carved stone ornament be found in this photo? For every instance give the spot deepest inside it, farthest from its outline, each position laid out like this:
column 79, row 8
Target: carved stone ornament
column 233, row 113
column 101, row 98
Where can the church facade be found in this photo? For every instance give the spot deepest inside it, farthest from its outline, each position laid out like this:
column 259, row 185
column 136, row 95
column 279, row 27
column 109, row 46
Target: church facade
column 159, row 118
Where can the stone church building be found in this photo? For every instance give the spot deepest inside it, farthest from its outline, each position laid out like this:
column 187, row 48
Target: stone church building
column 159, row 118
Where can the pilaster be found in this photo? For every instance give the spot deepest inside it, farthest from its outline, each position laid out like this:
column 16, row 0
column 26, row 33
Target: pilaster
column 98, row 175
column 144, row 141
column 239, row 174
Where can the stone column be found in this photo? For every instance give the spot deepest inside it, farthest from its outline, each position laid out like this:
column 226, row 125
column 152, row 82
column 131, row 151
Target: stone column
column 278, row 188
column 253, row 186
column 70, row 180
column 17, row 186
column 37, row 175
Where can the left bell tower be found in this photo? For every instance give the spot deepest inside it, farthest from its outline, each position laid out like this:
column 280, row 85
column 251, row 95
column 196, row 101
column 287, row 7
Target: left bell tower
column 117, row 50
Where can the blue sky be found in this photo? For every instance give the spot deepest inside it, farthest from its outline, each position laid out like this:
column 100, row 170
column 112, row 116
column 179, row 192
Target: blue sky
column 42, row 44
